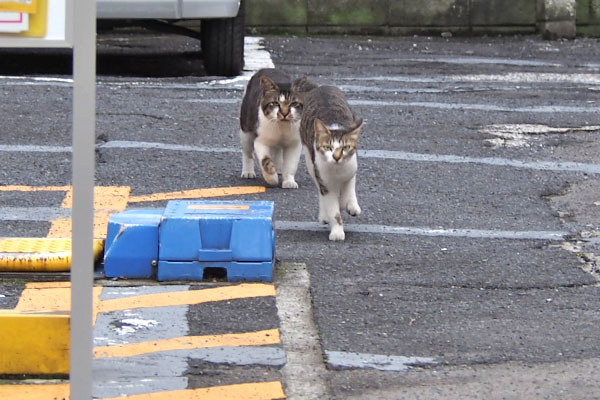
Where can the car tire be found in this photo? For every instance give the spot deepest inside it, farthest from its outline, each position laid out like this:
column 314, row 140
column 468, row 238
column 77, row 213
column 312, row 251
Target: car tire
column 222, row 43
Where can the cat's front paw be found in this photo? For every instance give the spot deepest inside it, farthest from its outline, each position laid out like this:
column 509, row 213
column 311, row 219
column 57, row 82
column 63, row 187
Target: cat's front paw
column 337, row 233
column 248, row 175
column 353, row 209
column 289, row 184
column 272, row 180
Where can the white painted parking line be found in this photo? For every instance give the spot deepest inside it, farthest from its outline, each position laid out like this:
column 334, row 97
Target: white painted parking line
column 21, row 148
column 511, row 77
column 32, row 214
column 556, row 166
column 477, row 107
column 419, row 231
column 125, row 144
column 481, row 60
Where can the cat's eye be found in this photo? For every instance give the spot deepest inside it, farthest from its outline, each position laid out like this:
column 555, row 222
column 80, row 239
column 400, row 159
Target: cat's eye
column 326, row 147
column 295, row 104
column 347, row 148
column 273, row 104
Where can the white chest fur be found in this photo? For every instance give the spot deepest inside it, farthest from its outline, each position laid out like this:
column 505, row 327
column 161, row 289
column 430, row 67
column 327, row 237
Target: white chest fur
column 336, row 173
column 275, row 133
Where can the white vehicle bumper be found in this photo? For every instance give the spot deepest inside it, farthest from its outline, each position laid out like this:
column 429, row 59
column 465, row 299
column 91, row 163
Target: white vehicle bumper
column 166, row 9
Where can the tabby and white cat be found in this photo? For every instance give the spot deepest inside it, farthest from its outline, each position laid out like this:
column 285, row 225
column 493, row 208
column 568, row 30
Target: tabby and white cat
column 270, row 123
column 329, row 131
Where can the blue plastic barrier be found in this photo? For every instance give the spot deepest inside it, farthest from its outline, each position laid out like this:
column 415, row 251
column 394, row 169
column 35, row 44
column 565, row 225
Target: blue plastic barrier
column 189, row 236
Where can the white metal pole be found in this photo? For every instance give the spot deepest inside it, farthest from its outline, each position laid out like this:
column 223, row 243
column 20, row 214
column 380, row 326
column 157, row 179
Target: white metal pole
column 82, row 266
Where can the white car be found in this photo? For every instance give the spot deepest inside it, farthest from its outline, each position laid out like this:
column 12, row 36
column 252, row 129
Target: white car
column 221, row 26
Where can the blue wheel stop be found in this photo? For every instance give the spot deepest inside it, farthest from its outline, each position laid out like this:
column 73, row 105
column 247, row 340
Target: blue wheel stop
column 191, row 237
column 131, row 247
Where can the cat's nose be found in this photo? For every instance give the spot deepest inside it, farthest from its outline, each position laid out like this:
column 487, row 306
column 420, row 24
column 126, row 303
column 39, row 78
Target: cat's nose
column 337, row 155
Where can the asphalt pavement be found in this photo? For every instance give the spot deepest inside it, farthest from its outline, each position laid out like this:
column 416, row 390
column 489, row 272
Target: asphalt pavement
column 471, row 272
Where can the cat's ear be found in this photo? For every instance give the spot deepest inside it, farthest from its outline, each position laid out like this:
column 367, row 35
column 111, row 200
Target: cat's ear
column 320, row 128
column 303, row 85
column 357, row 124
column 299, row 83
column 267, row 84
column 355, row 129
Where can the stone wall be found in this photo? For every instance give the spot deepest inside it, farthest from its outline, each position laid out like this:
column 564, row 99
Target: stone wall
column 395, row 17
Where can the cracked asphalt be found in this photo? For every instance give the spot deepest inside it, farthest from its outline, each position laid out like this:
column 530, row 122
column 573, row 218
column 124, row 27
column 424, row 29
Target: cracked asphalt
column 502, row 318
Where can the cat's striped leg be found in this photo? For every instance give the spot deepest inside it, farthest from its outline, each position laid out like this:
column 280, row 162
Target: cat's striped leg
column 263, row 153
column 329, row 209
column 277, row 155
column 247, row 141
column 348, row 195
column 291, row 158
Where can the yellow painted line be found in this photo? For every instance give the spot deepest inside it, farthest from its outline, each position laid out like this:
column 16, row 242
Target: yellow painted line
column 46, row 285
column 48, row 296
column 108, row 200
column 56, row 296
column 21, row 188
column 244, row 391
column 39, row 254
column 260, row 338
column 35, row 392
column 241, row 291
column 34, row 343
column 199, row 193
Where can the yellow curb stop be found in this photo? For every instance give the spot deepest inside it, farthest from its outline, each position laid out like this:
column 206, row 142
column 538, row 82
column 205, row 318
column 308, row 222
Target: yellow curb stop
column 34, row 343
column 39, row 254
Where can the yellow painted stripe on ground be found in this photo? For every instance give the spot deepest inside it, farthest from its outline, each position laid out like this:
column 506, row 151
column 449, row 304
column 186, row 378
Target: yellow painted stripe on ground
column 56, row 296
column 34, row 343
column 260, row 338
column 45, row 285
column 35, row 392
column 199, row 193
column 62, row 227
column 108, row 200
column 244, row 290
column 49, row 296
column 21, row 188
column 39, row 254
column 244, row 391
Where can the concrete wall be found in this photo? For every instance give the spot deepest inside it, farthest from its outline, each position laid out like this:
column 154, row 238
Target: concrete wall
column 425, row 16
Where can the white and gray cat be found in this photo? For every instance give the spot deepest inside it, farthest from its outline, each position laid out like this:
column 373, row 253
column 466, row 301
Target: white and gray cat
column 329, row 131
column 270, row 126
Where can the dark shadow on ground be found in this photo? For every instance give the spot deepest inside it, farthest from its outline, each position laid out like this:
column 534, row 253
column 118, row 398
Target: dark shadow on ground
column 124, row 53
